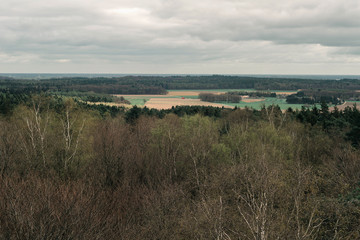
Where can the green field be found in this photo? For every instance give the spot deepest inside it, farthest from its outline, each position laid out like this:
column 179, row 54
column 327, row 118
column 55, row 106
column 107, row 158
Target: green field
column 137, row 101
column 267, row 102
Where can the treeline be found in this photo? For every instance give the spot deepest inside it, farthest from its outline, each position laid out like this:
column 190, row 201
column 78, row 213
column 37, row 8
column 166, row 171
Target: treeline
column 159, row 84
column 253, row 93
column 96, row 85
column 224, row 97
column 351, row 95
column 69, row 172
column 117, row 89
column 320, row 95
column 9, row 99
column 344, row 124
column 243, row 82
column 87, row 96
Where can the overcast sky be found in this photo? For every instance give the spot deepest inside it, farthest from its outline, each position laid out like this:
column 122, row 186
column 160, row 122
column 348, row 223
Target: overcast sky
column 180, row 36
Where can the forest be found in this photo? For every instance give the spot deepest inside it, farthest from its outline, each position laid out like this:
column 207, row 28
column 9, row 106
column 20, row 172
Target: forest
column 69, row 170
column 225, row 97
column 254, row 94
column 320, row 95
column 159, row 84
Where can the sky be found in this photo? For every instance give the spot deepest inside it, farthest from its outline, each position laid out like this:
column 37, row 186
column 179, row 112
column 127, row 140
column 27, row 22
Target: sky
column 180, row 36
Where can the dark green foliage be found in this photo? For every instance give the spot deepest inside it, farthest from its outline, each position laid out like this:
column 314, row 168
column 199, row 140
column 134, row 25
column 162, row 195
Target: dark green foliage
column 87, row 96
column 328, row 96
column 126, row 85
column 135, row 112
column 226, row 97
column 9, row 99
column 341, row 123
column 158, row 84
column 102, row 109
column 254, row 93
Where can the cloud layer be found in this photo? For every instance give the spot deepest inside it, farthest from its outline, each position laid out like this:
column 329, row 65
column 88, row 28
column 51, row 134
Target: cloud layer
column 180, row 36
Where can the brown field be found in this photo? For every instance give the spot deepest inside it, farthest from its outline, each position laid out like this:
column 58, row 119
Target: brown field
column 166, row 103
column 285, row 93
column 190, row 93
column 344, row 105
column 250, row 100
column 136, row 96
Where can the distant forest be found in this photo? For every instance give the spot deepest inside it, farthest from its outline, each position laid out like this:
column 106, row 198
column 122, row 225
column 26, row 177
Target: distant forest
column 159, row 85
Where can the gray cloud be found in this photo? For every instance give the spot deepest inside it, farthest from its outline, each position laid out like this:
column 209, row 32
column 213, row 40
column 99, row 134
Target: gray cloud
column 213, row 36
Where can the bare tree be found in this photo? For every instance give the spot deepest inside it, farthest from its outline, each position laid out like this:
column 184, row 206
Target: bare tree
column 72, row 128
column 33, row 127
column 255, row 203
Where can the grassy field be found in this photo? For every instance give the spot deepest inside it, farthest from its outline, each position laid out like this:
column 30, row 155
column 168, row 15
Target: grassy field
column 267, row 102
column 138, row 101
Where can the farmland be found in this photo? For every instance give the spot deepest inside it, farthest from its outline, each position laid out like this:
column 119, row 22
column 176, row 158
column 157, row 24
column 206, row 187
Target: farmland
column 166, row 103
column 151, row 91
column 190, row 98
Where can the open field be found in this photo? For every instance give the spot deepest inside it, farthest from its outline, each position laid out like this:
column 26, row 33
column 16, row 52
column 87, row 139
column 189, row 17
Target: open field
column 191, row 93
column 284, row 92
column 251, row 100
column 267, row 102
column 347, row 104
column 140, row 100
column 166, row 103
column 190, row 98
